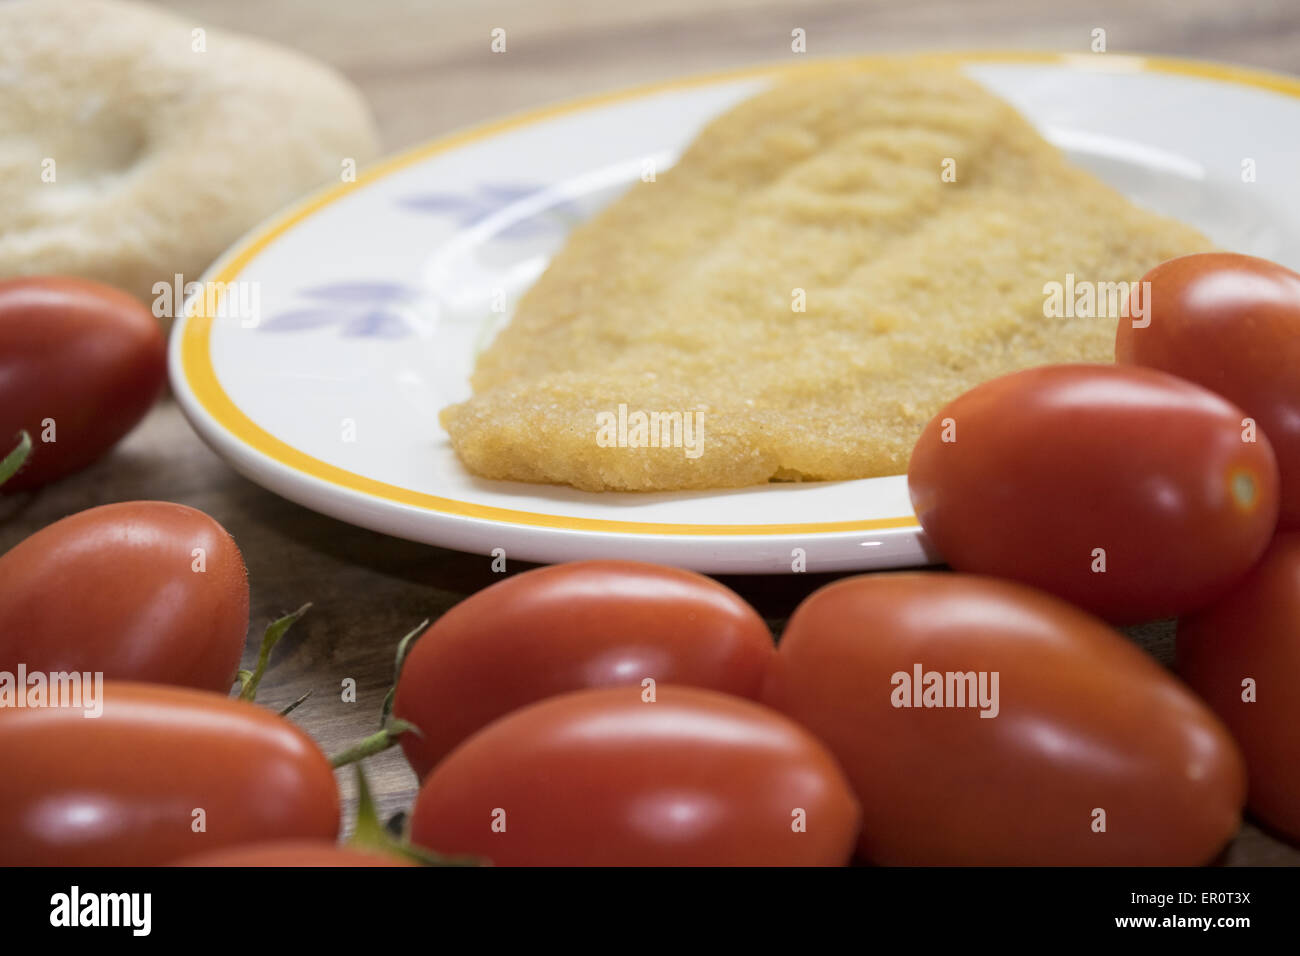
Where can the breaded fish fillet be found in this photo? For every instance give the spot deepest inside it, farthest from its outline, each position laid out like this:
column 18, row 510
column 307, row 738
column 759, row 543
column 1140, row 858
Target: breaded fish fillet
column 682, row 297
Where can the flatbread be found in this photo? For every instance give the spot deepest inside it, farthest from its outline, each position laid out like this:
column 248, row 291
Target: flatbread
column 137, row 144
column 681, row 297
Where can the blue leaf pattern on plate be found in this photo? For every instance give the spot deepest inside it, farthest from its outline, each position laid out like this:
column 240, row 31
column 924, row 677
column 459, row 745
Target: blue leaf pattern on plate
column 358, row 309
column 362, row 308
column 299, row 320
column 363, row 292
column 378, row 324
column 463, row 208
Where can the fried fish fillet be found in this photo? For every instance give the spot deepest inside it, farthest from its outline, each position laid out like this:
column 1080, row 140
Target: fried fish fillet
column 683, row 297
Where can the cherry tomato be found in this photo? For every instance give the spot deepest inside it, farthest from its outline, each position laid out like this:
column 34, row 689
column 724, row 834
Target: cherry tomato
column 1242, row 655
column 161, row 774
column 142, row 590
column 80, row 364
column 570, row 627
column 602, row 777
column 293, row 853
column 1124, row 490
column 1231, row 323
column 1055, row 741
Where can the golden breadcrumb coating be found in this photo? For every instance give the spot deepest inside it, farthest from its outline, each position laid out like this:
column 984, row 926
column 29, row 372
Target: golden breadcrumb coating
column 681, row 296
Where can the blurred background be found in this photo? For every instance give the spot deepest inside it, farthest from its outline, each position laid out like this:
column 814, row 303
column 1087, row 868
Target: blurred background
column 426, row 65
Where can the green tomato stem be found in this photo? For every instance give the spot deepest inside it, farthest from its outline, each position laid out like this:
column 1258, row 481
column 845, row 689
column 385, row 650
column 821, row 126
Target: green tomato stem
column 249, row 680
column 376, row 743
column 295, row 705
column 390, row 728
column 369, row 835
column 17, row 458
column 403, row 648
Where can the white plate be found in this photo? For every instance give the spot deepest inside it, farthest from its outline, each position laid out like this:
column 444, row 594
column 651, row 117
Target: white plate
column 373, row 297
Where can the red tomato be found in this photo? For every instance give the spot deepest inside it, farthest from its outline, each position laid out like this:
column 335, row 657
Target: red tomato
column 1081, row 723
column 293, row 853
column 570, row 627
column 119, row 589
column 601, row 777
column 1125, row 490
column 84, row 356
column 1243, row 656
column 162, row 774
column 1231, row 323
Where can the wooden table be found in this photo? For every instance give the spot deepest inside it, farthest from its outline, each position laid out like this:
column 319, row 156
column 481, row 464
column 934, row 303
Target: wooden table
column 426, row 68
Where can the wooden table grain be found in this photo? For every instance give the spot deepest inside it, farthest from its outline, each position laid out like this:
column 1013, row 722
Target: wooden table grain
column 427, row 68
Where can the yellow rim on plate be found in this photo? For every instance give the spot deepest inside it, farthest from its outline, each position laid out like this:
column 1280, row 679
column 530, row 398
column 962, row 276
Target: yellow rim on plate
column 201, row 377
